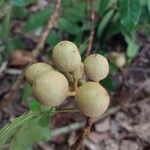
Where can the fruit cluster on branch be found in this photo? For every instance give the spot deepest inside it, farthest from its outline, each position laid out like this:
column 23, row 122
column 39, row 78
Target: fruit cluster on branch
column 52, row 85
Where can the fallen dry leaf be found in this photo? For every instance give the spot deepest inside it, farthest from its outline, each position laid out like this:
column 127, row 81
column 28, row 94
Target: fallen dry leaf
column 21, row 58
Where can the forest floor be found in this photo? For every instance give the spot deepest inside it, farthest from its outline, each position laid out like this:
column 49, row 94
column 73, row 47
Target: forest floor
column 126, row 124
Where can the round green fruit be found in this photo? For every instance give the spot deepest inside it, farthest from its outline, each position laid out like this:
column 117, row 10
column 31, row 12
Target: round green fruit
column 36, row 69
column 96, row 67
column 51, row 88
column 92, row 99
column 66, row 56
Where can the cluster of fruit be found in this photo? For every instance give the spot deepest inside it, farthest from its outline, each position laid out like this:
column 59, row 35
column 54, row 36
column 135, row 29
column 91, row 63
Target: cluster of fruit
column 51, row 87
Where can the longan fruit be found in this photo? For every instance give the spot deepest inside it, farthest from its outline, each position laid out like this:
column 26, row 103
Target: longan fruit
column 33, row 71
column 66, row 56
column 51, row 88
column 118, row 58
column 92, row 99
column 96, row 67
column 79, row 72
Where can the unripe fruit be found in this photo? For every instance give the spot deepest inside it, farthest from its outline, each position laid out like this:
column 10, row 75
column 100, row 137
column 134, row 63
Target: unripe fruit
column 92, row 99
column 36, row 69
column 96, row 67
column 66, row 56
column 51, row 88
column 118, row 58
column 79, row 73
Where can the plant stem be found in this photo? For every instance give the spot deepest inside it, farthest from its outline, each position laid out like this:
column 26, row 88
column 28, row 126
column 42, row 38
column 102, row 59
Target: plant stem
column 85, row 132
column 75, row 84
column 35, row 53
column 71, row 93
column 67, row 110
column 92, row 32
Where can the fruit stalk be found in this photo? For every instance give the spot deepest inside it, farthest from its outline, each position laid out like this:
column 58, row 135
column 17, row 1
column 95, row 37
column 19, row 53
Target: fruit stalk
column 85, row 132
column 75, row 84
column 71, row 93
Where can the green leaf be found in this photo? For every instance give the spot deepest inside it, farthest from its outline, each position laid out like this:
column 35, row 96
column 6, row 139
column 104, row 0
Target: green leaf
column 13, row 44
column 144, row 2
column 52, row 38
column 10, row 129
column 5, row 27
column 38, row 19
column 108, row 83
column 66, row 26
column 1, row 60
column 34, row 105
column 22, row 2
column 144, row 17
column 29, row 133
column 27, row 91
column 75, row 13
column 130, row 13
column 83, row 48
column 18, row 2
column 113, row 29
column 112, row 68
column 148, row 5
column 19, row 12
column 103, row 23
column 96, row 5
column 132, row 49
column 44, row 120
column 1, row 2
column 102, row 6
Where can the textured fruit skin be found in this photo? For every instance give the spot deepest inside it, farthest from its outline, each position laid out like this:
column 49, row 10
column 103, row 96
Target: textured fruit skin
column 66, row 56
column 118, row 58
column 79, row 73
column 96, row 67
column 92, row 99
column 51, row 88
column 33, row 71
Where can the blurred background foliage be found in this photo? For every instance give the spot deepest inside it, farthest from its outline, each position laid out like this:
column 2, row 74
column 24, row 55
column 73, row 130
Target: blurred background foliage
column 116, row 25
column 114, row 18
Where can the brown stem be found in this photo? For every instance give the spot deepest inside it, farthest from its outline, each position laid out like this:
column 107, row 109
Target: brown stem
column 67, row 110
column 75, row 84
column 92, row 32
column 35, row 55
column 71, row 93
column 85, row 132
column 47, row 30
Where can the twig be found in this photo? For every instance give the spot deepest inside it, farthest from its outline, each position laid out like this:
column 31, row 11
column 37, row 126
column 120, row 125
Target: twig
column 3, row 67
column 92, row 32
column 67, row 110
column 35, row 55
column 67, row 129
column 44, row 35
column 137, row 130
column 13, row 71
column 86, row 131
column 78, row 125
column 134, row 69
